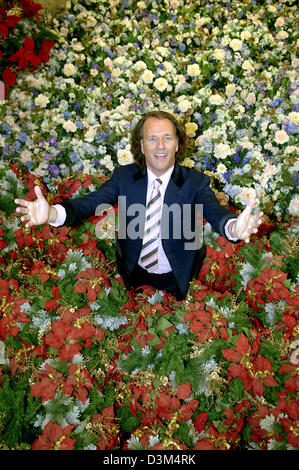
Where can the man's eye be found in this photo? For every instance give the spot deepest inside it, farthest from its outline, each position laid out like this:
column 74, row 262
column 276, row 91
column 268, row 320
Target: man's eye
column 151, row 139
column 168, row 138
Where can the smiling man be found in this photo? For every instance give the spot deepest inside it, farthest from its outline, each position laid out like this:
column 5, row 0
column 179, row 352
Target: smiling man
column 156, row 181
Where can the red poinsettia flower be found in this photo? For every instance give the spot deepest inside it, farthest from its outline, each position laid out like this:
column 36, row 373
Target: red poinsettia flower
column 26, row 55
column 242, row 355
column 40, row 268
column 292, row 428
column 65, row 338
column 78, row 383
column 268, row 286
column 30, row 8
column 106, row 428
column 140, row 333
column 261, row 372
column 9, row 77
column 206, row 322
column 292, row 383
column 93, row 282
column 48, row 383
column 7, row 21
column 55, row 438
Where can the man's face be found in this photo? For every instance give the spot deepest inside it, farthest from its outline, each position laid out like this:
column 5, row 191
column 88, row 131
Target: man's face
column 159, row 144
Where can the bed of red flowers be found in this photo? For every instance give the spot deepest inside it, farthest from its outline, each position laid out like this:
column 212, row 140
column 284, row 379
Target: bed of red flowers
column 25, row 42
column 84, row 364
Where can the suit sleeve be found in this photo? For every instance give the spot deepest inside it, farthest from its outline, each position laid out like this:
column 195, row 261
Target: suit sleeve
column 216, row 214
column 84, row 207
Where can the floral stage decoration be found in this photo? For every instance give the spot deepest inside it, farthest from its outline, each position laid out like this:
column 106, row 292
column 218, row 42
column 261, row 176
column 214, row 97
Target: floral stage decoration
column 85, row 364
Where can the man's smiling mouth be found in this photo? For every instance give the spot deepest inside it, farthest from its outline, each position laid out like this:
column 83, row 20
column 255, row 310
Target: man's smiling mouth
column 160, row 155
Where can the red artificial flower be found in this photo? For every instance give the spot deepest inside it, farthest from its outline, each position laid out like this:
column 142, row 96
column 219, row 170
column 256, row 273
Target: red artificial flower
column 26, row 55
column 292, row 428
column 49, row 382
column 55, row 438
column 4, row 288
column 261, row 373
column 140, row 333
column 9, row 77
column 44, row 52
column 94, row 279
column 107, row 430
column 65, row 338
column 30, row 8
column 78, row 382
column 200, row 421
column 292, row 383
column 40, row 268
column 267, row 287
column 206, row 322
column 7, row 21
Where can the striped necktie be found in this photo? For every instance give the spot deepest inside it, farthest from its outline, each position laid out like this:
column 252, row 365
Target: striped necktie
column 149, row 251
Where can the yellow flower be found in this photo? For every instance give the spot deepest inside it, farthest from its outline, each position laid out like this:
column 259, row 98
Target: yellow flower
column 191, row 128
column 236, row 44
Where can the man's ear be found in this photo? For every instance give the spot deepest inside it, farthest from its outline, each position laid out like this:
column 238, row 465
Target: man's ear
column 141, row 145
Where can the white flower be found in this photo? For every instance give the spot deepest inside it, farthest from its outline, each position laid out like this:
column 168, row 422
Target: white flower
column 69, row 126
column 193, row 70
column 230, row 89
column 282, row 35
column 221, row 169
column 236, row 44
column 251, row 99
column 218, row 54
column 140, row 65
column 222, row 150
column 124, row 156
column 247, row 65
column 147, row 76
column 279, row 22
column 25, row 156
column 294, row 206
column 184, row 105
column 216, row 99
column 281, row 137
column 191, row 128
column 69, row 69
column 90, row 134
column 294, row 117
column 41, row 100
column 161, row 84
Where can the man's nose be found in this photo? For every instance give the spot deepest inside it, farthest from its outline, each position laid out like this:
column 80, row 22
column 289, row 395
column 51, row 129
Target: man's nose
column 161, row 143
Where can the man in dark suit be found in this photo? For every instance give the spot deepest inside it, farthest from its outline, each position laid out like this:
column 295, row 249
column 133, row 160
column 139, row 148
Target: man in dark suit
column 161, row 250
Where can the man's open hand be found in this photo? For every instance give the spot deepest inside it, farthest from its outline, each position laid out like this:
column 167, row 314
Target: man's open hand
column 247, row 223
column 35, row 212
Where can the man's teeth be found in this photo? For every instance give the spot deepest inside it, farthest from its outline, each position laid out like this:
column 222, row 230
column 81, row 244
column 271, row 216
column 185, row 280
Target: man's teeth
column 158, row 155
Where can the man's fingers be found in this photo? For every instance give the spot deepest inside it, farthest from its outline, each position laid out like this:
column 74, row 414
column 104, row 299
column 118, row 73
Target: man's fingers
column 22, row 202
column 38, row 192
column 23, row 210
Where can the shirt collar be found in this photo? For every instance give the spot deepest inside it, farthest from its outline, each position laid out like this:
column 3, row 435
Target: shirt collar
column 164, row 178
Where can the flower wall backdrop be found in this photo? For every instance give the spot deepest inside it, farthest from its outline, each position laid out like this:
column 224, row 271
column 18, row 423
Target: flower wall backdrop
column 84, row 364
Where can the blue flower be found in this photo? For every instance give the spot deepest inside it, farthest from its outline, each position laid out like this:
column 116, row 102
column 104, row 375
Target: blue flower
column 292, row 128
column 74, row 157
column 80, row 125
column 6, row 127
column 22, row 137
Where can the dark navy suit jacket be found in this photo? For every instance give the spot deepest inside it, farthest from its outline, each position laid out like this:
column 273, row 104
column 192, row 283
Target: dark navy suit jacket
column 186, row 186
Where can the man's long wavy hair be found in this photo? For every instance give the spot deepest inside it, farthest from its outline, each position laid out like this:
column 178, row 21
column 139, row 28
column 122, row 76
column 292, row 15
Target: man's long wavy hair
column 137, row 135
